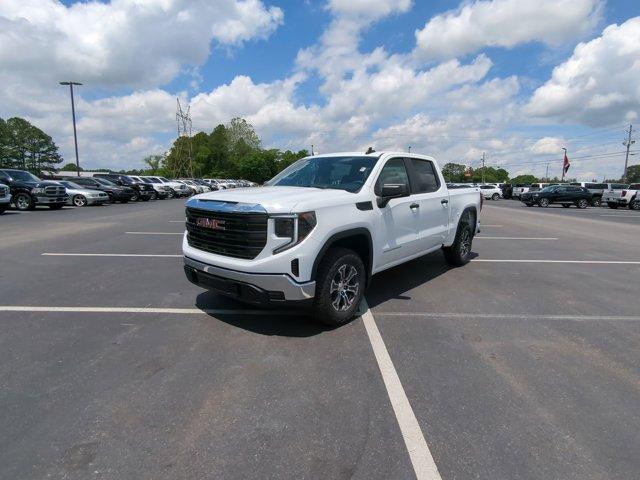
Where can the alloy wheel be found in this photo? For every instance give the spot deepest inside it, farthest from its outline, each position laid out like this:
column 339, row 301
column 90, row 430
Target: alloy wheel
column 344, row 287
column 465, row 243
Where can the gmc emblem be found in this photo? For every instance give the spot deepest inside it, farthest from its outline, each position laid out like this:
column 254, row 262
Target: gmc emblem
column 210, row 223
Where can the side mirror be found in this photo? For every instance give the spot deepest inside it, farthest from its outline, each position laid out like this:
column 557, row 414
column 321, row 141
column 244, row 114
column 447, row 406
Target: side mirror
column 389, row 191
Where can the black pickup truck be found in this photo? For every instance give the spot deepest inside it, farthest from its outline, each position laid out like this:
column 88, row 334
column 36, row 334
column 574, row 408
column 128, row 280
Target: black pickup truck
column 144, row 191
column 28, row 191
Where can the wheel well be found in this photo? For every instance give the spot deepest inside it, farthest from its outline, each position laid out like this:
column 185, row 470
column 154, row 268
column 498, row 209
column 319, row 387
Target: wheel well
column 358, row 240
column 474, row 217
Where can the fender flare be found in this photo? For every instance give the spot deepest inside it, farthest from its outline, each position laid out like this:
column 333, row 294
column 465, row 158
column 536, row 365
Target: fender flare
column 352, row 232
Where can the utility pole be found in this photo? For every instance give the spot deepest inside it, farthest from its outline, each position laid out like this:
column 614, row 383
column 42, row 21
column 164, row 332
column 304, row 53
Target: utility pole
column 547, row 176
column 565, row 156
column 73, row 115
column 409, row 148
column 312, row 154
column 482, row 167
column 627, row 143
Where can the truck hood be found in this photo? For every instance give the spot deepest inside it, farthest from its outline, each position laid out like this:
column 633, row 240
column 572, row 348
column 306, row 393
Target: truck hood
column 280, row 199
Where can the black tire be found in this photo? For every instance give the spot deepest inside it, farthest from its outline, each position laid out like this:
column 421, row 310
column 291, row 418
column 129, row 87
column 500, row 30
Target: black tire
column 57, row 206
column 3, row 208
column 154, row 196
column 79, row 201
column 634, row 204
column 332, row 304
column 612, row 205
column 543, row 202
column 135, row 198
column 596, row 201
column 459, row 253
column 566, row 205
column 171, row 194
column 24, row 202
column 582, row 203
column 495, row 197
column 110, row 197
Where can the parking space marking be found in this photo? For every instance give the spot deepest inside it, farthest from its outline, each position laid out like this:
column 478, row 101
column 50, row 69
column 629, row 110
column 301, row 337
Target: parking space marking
column 512, row 316
column 109, row 255
column 421, row 459
column 596, row 262
column 628, row 215
column 172, row 311
column 177, row 221
column 155, row 233
column 515, row 238
column 485, row 225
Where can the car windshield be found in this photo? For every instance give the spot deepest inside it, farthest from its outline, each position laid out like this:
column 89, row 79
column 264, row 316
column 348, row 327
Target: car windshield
column 71, row 185
column 104, row 182
column 549, row 189
column 152, row 180
column 340, row 173
column 22, row 175
column 164, row 179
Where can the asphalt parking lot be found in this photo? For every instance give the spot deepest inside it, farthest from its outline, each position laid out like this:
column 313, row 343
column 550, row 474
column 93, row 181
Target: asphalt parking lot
column 524, row 364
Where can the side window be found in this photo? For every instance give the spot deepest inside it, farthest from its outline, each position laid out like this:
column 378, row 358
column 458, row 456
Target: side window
column 393, row 172
column 426, row 177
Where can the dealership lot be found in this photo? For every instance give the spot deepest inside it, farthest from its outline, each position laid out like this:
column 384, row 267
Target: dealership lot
column 523, row 364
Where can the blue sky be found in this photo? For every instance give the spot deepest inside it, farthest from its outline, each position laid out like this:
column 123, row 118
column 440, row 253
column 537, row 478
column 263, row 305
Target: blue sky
column 508, row 78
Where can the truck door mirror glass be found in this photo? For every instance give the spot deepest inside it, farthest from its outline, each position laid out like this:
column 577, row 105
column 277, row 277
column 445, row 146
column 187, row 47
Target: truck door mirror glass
column 389, row 191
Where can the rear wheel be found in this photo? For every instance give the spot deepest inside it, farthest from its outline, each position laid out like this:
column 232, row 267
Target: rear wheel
column 582, row 203
column 340, row 287
column 612, row 205
column 459, row 253
column 596, row 202
column 495, row 196
column 23, row 202
column 543, row 202
column 634, row 204
column 79, row 201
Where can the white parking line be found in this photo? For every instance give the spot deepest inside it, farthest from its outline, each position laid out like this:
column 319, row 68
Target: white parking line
column 423, row 464
column 155, row 233
column 485, row 225
column 177, row 221
column 512, row 316
column 628, row 215
column 109, row 255
column 596, row 262
column 514, row 238
column 174, row 311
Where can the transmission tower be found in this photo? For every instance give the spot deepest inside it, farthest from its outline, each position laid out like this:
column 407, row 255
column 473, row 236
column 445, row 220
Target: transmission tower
column 183, row 166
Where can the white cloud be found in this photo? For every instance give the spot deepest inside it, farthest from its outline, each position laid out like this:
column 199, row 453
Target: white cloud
column 123, row 42
column 598, row 85
column 548, row 145
column 505, row 23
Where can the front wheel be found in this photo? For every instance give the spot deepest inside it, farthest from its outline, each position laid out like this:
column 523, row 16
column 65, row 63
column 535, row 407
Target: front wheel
column 340, row 287
column 634, row 204
column 459, row 253
column 582, row 203
column 79, row 201
column 23, row 202
column 495, row 196
column 543, row 202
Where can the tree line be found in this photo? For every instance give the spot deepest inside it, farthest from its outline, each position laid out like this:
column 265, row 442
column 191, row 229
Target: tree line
column 25, row 146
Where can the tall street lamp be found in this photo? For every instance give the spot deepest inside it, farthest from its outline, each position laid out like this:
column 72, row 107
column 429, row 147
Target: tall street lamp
column 73, row 115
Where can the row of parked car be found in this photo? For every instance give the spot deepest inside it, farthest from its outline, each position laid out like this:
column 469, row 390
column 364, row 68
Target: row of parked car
column 614, row 195
column 26, row 191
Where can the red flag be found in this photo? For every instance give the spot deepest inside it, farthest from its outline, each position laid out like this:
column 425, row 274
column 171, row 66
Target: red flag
column 566, row 164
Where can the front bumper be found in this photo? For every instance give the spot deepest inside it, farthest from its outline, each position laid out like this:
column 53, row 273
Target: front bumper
column 52, row 200
column 248, row 287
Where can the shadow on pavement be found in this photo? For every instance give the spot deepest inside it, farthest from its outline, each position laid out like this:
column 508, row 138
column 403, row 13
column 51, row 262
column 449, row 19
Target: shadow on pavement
column 290, row 323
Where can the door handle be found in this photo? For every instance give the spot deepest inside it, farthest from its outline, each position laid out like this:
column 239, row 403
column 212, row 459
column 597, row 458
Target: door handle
column 414, row 206
column 444, row 201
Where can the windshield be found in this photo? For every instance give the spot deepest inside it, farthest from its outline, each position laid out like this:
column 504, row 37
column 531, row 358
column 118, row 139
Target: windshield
column 549, row 189
column 22, row 175
column 104, row 182
column 340, row 173
column 71, row 185
column 163, row 179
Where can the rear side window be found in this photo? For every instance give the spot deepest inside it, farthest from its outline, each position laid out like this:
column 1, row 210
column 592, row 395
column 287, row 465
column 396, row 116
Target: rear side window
column 426, row 178
column 393, row 172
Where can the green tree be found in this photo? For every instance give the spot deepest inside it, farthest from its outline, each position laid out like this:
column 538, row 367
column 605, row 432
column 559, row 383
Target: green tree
column 491, row 175
column 70, row 167
column 454, row 172
column 633, row 174
column 154, row 162
column 528, row 178
column 25, row 146
column 219, row 146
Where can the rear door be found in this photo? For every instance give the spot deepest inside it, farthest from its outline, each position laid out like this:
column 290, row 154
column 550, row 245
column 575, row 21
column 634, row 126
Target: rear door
column 432, row 198
column 398, row 227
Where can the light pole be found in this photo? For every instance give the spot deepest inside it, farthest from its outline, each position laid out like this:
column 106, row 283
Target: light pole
column 73, row 115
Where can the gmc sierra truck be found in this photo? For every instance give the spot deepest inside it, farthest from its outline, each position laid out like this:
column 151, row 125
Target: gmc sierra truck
column 319, row 230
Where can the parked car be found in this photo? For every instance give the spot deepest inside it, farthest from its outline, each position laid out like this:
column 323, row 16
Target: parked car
column 536, row 187
column 115, row 193
column 28, row 191
column 81, row 197
column 519, row 189
column 322, row 227
column 144, row 191
column 491, row 192
column 622, row 197
column 596, row 189
column 162, row 191
column 566, row 195
column 207, row 187
column 193, row 189
column 178, row 189
column 5, row 198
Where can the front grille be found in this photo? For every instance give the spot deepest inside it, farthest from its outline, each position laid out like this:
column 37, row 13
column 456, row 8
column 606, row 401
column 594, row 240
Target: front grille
column 55, row 191
column 244, row 234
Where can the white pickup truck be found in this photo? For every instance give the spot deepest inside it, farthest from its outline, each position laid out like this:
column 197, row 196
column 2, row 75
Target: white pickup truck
column 320, row 229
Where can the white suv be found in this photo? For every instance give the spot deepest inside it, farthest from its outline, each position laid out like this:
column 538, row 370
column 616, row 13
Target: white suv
column 321, row 228
column 491, row 192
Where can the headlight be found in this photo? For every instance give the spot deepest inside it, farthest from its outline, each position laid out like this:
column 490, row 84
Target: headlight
column 295, row 227
column 37, row 191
